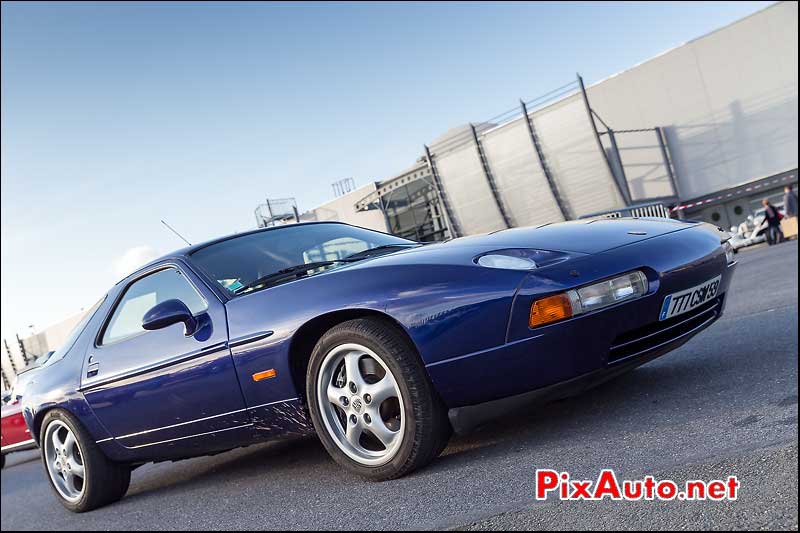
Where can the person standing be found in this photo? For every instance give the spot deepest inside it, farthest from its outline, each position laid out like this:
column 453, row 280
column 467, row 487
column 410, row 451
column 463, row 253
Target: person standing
column 789, row 202
column 789, row 223
column 773, row 218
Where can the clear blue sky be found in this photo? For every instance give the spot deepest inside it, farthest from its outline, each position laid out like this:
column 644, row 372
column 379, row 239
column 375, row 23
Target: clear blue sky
column 116, row 115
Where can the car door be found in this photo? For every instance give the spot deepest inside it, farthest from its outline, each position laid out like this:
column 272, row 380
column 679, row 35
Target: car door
column 164, row 388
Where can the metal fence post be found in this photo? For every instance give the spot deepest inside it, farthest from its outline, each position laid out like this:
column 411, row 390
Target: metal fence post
column 487, row 173
column 590, row 114
column 382, row 204
column 451, row 221
column 269, row 209
column 562, row 205
column 23, row 352
column 626, row 190
column 667, row 160
column 10, row 357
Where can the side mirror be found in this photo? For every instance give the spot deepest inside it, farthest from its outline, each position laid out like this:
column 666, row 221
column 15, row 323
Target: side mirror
column 167, row 313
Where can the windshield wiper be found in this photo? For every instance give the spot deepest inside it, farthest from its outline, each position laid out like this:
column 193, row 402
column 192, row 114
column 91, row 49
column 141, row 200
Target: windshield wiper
column 382, row 248
column 288, row 272
column 301, row 270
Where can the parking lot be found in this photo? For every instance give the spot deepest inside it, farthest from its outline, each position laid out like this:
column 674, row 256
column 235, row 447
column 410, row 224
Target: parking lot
column 723, row 404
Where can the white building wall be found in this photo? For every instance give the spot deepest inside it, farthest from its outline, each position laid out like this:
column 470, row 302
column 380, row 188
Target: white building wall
column 468, row 192
column 519, row 175
column 343, row 209
column 576, row 161
column 727, row 100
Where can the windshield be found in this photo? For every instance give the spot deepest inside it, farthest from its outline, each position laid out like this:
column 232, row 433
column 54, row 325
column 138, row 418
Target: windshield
column 237, row 262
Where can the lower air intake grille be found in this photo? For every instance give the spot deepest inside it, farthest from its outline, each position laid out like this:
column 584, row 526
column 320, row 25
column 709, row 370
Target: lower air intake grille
column 655, row 335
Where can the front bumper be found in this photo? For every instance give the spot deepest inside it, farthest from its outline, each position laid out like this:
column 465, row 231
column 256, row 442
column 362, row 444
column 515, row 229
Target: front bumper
column 464, row 418
column 591, row 348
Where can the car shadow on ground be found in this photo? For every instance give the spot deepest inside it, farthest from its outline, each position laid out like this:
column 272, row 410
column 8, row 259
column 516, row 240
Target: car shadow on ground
column 254, row 461
column 532, row 427
column 28, row 458
column 21, row 458
column 544, row 425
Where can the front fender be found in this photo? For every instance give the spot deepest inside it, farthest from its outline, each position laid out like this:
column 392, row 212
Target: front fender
column 452, row 310
column 446, row 310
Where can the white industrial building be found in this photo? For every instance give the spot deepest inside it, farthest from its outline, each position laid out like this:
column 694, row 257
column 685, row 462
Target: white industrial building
column 705, row 130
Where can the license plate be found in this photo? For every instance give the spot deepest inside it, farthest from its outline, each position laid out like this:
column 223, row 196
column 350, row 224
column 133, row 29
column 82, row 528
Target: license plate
column 681, row 302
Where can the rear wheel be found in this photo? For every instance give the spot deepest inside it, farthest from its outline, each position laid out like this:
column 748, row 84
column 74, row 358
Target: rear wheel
column 82, row 477
column 371, row 402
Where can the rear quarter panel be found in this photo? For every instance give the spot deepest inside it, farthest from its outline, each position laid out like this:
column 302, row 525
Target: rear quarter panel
column 56, row 384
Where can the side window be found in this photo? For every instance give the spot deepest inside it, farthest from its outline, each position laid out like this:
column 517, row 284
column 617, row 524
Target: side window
column 145, row 293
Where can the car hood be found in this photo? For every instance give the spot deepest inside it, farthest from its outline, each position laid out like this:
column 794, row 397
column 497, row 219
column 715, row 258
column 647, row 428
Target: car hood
column 576, row 238
column 580, row 236
column 583, row 236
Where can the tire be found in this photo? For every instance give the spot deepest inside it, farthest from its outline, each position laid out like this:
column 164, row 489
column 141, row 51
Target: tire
column 3, row 461
column 104, row 481
column 425, row 428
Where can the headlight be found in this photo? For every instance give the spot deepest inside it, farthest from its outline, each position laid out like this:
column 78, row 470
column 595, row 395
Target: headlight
column 605, row 293
column 506, row 261
column 520, row 258
column 729, row 251
column 590, row 298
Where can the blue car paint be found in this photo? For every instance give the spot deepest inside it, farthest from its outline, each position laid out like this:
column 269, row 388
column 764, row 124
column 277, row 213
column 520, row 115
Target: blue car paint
column 163, row 395
column 535, row 358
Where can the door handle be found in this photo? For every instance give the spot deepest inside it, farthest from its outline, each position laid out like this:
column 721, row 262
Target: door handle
column 92, row 369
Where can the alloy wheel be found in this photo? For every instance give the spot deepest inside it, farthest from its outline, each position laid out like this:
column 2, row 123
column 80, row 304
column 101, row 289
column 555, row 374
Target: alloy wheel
column 361, row 404
column 64, row 461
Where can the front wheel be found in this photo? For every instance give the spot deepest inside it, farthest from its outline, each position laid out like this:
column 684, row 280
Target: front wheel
column 82, row 477
column 371, row 402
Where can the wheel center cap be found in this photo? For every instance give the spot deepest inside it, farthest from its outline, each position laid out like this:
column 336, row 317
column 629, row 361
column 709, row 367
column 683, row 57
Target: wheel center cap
column 357, row 405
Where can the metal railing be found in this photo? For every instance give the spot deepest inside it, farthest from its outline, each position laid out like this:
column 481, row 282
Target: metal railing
column 657, row 210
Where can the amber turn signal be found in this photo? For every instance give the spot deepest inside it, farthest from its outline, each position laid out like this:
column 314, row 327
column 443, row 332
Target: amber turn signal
column 266, row 374
column 550, row 309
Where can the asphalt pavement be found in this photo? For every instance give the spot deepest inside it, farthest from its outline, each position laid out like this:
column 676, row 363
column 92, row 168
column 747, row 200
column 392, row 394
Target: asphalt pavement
column 723, row 404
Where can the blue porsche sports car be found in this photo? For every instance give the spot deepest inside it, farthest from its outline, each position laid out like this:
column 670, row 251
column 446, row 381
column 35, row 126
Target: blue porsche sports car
column 380, row 345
